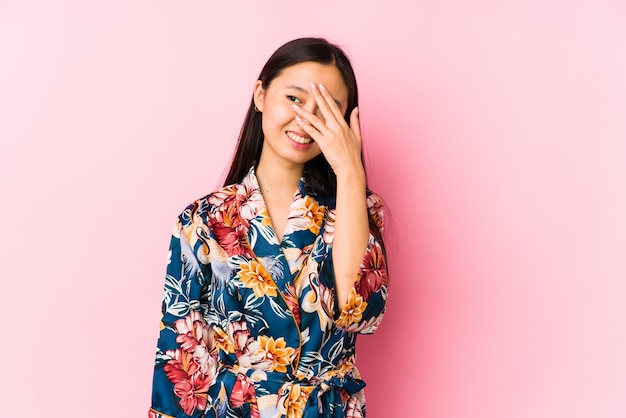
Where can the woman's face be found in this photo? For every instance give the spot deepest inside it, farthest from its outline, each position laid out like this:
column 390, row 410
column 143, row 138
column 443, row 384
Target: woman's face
column 285, row 142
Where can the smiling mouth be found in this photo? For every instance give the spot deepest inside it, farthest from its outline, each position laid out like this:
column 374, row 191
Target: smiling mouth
column 299, row 139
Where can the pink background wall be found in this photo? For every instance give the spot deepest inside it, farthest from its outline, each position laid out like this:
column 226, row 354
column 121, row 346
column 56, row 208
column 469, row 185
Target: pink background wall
column 495, row 130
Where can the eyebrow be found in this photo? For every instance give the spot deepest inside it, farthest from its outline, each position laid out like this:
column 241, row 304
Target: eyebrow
column 293, row 86
column 305, row 91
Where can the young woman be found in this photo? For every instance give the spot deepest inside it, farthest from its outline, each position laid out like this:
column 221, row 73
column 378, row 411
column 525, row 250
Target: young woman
column 271, row 277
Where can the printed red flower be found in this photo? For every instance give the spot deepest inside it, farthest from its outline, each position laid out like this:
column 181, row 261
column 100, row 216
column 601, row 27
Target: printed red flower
column 231, row 238
column 292, row 302
column 224, row 198
column 192, row 330
column 240, row 334
column 246, row 347
column 373, row 272
column 243, row 392
column 181, row 366
column 193, row 393
column 190, row 384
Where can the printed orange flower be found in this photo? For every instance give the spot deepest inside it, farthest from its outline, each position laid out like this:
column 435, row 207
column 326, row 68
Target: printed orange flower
column 265, row 216
column 254, row 276
column 295, row 399
column 353, row 310
column 345, row 366
column 223, row 340
column 277, row 352
column 308, row 214
column 314, row 213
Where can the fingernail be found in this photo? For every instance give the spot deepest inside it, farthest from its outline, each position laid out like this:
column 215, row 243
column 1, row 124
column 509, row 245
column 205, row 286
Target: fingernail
column 295, row 106
column 356, row 110
column 322, row 87
column 313, row 86
column 298, row 119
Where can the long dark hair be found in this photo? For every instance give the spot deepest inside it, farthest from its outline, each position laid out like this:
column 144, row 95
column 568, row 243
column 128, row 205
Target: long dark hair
column 320, row 177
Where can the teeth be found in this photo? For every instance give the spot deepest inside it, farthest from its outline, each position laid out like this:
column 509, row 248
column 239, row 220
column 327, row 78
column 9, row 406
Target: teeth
column 299, row 139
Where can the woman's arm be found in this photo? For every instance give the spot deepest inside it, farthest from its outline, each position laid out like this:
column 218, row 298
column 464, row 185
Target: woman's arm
column 366, row 300
column 185, row 353
column 357, row 256
column 351, row 232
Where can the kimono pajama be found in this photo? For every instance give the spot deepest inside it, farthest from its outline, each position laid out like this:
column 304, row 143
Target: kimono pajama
column 250, row 325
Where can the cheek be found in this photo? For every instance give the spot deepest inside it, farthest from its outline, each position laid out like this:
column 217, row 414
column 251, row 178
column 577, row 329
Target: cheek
column 278, row 114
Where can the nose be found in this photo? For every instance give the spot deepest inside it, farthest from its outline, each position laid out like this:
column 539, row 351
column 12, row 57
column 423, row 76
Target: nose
column 312, row 107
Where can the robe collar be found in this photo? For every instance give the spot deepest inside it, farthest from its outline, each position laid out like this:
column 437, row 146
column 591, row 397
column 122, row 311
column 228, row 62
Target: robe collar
column 283, row 259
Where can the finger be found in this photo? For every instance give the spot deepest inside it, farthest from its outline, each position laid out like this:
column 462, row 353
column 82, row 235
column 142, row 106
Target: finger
column 332, row 104
column 313, row 132
column 309, row 129
column 323, row 104
column 355, row 123
column 310, row 118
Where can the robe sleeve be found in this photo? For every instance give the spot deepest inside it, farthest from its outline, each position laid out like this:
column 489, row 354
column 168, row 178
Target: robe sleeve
column 185, row 365
column 366, row 303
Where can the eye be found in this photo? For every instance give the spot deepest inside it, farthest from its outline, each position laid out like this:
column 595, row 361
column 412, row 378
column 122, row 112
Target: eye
column 293, row 99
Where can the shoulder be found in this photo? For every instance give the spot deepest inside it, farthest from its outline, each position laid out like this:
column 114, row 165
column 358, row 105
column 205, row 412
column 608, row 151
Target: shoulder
column 202, row 209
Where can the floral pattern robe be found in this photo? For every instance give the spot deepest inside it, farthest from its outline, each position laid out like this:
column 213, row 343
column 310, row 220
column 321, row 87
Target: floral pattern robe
column 250, row 326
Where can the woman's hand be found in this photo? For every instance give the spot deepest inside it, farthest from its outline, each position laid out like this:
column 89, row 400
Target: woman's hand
column 340, row 143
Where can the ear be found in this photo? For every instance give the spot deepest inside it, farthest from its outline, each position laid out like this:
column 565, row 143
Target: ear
column 259, row 95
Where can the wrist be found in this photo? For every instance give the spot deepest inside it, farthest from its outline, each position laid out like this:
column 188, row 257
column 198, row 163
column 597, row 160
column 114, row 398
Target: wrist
column 354, row 176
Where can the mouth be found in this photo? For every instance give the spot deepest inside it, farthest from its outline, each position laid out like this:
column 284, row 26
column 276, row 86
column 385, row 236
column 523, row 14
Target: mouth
column 300, row 139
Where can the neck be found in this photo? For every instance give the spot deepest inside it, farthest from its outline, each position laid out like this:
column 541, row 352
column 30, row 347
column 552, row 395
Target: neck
column 278, row 178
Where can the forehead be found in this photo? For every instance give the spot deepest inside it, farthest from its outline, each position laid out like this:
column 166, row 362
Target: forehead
column 302, row 74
